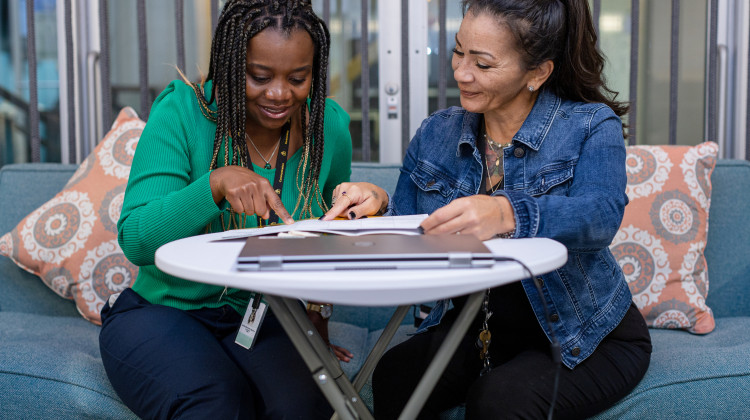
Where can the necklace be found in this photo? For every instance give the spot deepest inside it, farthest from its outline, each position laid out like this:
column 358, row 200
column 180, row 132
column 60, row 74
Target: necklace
column 495, row 146
column 268, row 161
column 489, row 177
column 492, row 146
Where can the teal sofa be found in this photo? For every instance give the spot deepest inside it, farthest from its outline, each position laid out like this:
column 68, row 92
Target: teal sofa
column 49, row 356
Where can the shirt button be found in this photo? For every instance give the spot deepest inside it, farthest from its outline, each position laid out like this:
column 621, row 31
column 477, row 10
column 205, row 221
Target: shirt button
column 576, row 351
column 519, row 152
column 430, row 183
column 539, row 281
column 555, row 318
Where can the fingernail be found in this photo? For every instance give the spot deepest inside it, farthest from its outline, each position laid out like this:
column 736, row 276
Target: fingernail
column 321, row 217
column 352, row 215
column 420, row 229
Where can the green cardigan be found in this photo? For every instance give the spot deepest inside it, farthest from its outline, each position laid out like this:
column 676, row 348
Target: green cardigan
column 168, row 196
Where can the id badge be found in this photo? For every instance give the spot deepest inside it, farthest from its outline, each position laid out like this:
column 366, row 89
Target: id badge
column 250, row 326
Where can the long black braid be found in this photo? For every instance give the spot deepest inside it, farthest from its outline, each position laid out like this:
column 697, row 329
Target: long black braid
column 240, row 20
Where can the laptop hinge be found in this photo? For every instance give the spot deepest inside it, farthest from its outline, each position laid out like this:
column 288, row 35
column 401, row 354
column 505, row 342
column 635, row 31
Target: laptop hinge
column 269, row 262
column 459, row 260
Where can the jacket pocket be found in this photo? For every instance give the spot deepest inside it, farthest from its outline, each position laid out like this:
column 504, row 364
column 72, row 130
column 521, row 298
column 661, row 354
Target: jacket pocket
column 435, row 187
column 552, row 179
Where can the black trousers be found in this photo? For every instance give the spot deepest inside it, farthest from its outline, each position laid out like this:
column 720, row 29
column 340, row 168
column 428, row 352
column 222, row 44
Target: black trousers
column 520, row 384
column 168, row 363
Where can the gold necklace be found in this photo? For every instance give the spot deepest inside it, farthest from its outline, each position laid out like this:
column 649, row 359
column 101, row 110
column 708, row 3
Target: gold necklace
column 499, row 156
column 489, row 177
column 268, row 161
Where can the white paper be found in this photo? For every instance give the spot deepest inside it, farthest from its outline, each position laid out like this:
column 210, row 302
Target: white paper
column 404, row 225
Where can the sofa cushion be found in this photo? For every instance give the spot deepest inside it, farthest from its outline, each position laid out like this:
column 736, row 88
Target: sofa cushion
column 71, row 240
column 703, row 377
column 45, row 377
column 661, row 241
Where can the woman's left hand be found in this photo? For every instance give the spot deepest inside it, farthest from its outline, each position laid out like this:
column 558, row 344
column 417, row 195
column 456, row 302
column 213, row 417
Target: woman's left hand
column 357, row 199
column 480, row 215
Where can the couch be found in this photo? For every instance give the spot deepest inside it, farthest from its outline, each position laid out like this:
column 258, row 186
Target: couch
column 49, row 355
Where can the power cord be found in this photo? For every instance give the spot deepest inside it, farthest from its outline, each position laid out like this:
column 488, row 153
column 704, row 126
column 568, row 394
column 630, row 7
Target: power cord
column 555, row 346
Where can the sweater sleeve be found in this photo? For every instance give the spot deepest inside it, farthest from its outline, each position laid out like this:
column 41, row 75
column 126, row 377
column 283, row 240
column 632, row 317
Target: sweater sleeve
column 339, row 145
column 167, row 198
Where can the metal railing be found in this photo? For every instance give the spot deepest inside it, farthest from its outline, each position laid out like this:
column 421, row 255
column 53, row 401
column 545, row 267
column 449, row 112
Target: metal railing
column 711, row 117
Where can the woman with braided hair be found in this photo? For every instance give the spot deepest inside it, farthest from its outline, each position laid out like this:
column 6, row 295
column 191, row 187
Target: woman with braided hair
column 255, row 143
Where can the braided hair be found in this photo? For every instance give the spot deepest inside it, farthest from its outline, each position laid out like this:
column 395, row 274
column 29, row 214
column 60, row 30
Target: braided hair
column 240, row 20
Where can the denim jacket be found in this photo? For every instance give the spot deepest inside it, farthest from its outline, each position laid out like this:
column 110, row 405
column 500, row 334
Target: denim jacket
column 565, row 179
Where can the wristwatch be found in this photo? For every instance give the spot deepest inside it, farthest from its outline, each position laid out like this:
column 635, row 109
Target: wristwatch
column 324, row 309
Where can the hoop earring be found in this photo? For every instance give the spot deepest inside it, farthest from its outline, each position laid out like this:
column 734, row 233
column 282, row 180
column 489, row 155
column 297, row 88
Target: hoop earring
column 531, row 88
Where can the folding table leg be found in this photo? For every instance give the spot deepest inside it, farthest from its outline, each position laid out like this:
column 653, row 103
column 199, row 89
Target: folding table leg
column 377, row 351
column 325, row 369
column 443, row 356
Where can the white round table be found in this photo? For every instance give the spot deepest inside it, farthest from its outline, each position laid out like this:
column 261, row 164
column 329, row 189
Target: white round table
column 209, row 259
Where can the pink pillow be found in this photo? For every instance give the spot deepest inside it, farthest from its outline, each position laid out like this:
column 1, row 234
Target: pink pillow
column 663, row 234
column 70, row 242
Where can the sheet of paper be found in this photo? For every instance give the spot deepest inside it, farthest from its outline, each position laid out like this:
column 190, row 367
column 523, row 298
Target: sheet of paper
column 387, row 224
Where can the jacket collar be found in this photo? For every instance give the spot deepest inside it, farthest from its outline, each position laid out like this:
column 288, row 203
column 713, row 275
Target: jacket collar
column 534, row 129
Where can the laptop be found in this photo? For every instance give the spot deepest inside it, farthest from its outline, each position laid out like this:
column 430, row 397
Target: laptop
column 377, row 251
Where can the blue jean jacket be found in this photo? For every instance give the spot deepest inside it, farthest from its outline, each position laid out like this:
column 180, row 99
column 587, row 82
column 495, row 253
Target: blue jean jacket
column 565, row 179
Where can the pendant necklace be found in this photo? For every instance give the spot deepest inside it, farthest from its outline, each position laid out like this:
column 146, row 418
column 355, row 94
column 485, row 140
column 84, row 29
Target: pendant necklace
column 268, row 161
column 498, row 160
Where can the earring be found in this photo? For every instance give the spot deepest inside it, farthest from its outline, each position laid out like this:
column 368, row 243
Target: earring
column 531, row 88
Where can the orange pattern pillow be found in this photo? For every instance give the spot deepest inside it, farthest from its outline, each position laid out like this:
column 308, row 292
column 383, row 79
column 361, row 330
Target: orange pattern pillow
column 663, row 234
column 70, row 242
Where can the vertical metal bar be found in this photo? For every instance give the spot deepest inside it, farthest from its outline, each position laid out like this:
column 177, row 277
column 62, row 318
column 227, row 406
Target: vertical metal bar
column 365, row 81
column 214, row 14
column 442, row 54
column 747, row 112
column 179, row 17
column 405, row 74
column 635, row 10
column 104, row 65
column 674, row 56
column 70, row 72
column 443, row 356
column 713, row 55
column 327, row 11
column 143, row 58
column 36, row 142
column 327, row 20
column 596, row 12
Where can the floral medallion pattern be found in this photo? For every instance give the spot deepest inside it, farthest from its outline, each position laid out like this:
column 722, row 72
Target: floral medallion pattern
column 70, row 242
column 644, row 263
column 647, row 169
column 59, row 228
column 662, row 237
column 104, row 271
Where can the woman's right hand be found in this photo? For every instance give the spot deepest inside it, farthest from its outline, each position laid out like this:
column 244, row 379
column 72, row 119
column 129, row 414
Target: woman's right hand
column 247, row 192
column 356, row 199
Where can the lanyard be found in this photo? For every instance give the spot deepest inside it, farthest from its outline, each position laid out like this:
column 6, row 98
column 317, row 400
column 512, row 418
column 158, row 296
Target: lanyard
column 278, row 177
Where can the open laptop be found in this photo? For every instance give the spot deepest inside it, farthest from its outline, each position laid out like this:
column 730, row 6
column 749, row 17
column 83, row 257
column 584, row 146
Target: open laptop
column 378, row 251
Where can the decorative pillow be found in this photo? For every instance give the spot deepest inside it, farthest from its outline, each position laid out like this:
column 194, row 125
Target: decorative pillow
column 663, row 234
column 70, row 242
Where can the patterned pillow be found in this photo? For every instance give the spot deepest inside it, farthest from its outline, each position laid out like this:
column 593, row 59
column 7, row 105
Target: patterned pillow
column 663, row 234
column 70, row 242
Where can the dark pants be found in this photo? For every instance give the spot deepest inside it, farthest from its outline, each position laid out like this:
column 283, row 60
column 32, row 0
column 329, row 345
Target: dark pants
column 520, row 384
column 169, row 363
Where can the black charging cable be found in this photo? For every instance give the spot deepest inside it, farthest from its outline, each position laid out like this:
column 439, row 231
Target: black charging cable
column 555, row 346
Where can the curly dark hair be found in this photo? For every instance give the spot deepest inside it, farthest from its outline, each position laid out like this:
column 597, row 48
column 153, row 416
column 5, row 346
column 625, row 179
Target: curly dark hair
column 561, row 31
column 240, row 20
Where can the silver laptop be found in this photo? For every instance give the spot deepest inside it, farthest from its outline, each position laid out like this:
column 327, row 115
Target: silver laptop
column 379, row 251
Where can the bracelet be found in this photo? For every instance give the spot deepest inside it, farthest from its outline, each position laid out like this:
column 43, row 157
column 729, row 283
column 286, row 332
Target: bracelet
column 506, row 235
